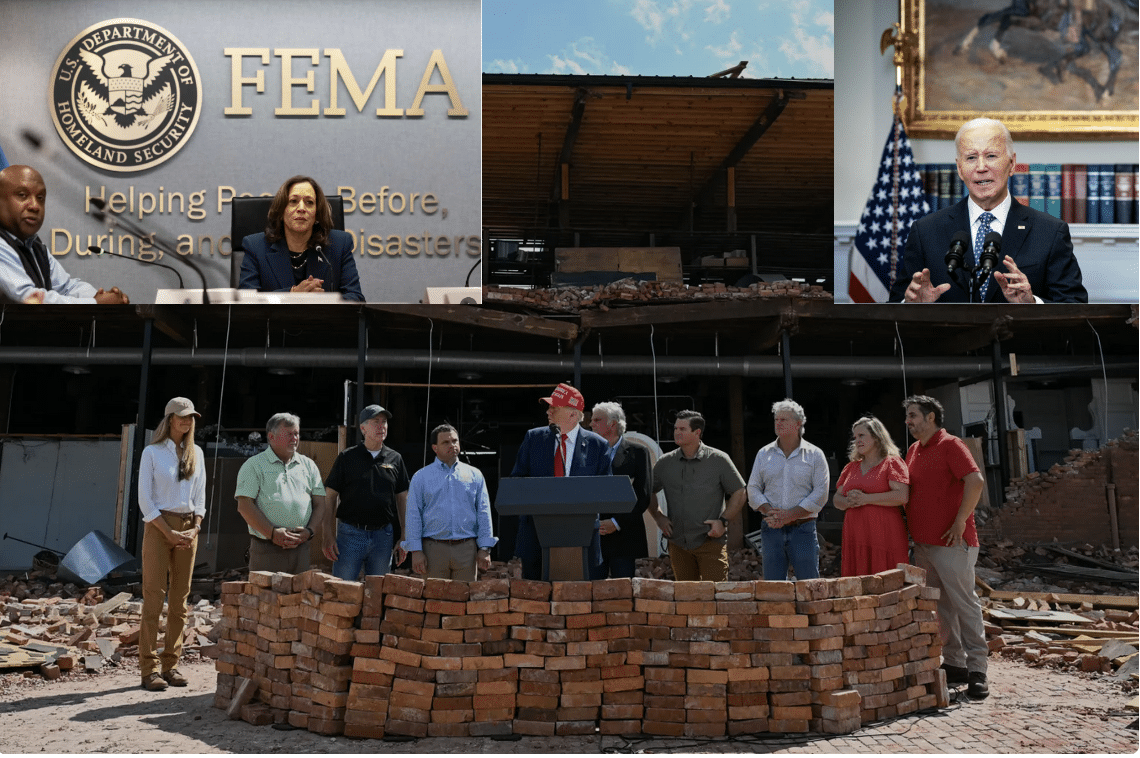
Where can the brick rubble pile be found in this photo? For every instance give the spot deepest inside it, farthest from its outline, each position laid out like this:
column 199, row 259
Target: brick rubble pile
column 1040, row 506
column 400, row 655
column 629, row 291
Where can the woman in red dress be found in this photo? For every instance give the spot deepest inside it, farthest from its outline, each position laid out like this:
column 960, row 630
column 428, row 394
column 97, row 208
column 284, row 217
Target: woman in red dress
column 872, row 489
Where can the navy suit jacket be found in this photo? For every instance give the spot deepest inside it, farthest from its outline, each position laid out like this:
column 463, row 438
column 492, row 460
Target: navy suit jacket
column 267, row 268
column 629, row 541
column 1037, row 242
column 536, row 458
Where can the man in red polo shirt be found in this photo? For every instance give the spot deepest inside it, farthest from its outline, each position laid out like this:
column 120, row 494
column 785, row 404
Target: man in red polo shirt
column 945, row 486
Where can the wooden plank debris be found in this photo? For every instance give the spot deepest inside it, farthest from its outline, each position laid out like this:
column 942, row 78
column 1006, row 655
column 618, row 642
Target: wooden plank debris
column 1097, row 601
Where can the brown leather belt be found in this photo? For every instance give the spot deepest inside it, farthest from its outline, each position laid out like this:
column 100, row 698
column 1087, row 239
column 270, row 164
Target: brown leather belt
column 450, row 542
column 797, row 522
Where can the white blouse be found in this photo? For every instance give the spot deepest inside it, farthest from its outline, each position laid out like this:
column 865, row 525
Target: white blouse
column 159, row 487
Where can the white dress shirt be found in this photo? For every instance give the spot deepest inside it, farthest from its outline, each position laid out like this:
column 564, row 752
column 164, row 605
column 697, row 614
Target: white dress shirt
column 160, row 488
column 800, row 478
column 571, row 441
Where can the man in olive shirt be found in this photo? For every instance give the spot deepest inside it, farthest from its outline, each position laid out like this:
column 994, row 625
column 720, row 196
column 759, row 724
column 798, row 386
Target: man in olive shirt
column 279, row 494
column 371, row 483
column 697, row 480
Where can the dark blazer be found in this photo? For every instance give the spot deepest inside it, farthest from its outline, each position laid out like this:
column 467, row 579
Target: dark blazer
column 1037, row 242
column 267, row 269
column 536, row 458
column 629, row 541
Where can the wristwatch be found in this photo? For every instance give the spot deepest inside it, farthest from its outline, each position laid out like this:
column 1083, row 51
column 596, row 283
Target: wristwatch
column 724, row 521
column 311, row 532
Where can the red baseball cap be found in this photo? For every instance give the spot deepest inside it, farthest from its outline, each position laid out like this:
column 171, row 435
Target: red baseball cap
column 565, row 396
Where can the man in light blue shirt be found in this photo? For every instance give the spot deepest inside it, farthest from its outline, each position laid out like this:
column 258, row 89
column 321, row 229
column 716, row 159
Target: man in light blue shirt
column 448, row 523
column 28, row 272
column 789, row 485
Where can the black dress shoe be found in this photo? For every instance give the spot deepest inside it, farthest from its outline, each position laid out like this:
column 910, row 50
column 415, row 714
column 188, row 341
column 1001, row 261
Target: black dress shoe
column 955, row 674
column 977, row 687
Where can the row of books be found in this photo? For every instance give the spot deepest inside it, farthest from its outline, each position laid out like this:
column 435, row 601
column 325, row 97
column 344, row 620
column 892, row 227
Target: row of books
column 1078, row 193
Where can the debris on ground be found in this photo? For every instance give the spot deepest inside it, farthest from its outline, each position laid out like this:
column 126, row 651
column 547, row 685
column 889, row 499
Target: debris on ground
column 628, row 291
column 49, row 629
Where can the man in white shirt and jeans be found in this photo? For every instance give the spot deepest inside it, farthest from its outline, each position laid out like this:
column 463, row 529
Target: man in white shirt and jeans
column 789, row 486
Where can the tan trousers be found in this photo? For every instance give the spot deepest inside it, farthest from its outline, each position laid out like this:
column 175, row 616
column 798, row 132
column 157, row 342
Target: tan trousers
column 166, row 575
column 708, row 563
column 446, row 561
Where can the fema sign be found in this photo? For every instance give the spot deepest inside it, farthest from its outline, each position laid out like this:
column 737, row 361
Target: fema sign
column 125, row 95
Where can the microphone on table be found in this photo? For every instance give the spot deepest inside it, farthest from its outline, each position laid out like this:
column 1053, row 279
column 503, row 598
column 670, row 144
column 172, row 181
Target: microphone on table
column 102, row 211
column 100, row 251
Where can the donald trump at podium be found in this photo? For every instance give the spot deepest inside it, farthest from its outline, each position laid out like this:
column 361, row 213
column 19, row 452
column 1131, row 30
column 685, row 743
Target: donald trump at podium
column 562, row 448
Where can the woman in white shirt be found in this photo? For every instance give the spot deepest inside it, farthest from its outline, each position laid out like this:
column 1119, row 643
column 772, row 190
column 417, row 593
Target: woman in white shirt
column 172, row 498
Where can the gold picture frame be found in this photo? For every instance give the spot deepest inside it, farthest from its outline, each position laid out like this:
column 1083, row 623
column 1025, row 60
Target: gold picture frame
column 947, row 83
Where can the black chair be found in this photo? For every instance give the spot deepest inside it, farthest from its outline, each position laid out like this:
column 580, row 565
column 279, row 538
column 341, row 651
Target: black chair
column 248, row 216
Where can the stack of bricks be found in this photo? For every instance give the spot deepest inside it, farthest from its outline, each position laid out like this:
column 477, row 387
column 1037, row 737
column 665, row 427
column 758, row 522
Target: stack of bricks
column 292, row 636
column 431, row 657
column 889, row 649
column 257, row 644
column 322, row 666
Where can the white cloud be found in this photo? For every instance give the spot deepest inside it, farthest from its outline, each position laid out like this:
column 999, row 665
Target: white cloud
column 718, row 12
column 825, row 19
column 585, row 56
column 646, row 13
column 500, row 66
column 560, row 65
column 758, row 67
column 660, row 21
column 812, row 41
column 730, row 49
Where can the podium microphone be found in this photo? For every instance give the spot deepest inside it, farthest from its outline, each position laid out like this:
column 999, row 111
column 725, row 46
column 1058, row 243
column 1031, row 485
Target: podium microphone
column 959, row 243
column 100, row 251
column 991, row 253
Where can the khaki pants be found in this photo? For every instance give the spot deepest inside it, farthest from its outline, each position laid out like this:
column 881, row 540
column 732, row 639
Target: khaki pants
column 708, row 563
column 166, row 574
column 951, row 570
column 446, row 561
column 265, row 556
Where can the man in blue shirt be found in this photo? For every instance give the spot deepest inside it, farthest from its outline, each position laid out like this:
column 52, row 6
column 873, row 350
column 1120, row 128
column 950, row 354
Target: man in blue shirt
column 448, row 523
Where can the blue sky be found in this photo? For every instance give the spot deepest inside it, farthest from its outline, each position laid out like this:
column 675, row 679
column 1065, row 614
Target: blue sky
column 659, row 37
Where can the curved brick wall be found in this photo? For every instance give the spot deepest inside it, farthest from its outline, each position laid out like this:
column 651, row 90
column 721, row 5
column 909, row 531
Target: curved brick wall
column 404, row 655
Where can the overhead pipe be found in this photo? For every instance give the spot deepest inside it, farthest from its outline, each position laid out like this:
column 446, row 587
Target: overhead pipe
column 767, row 367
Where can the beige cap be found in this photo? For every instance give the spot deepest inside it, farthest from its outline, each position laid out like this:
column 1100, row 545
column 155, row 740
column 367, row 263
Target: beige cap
column 180, row 406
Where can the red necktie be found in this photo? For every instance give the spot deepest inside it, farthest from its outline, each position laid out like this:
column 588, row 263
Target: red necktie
column 560, row 457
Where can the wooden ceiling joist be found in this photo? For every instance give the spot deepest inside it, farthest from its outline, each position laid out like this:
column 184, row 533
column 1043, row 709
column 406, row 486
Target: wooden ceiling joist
column 750, row 138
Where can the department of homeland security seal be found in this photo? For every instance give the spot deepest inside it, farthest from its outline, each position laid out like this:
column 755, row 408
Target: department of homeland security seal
column 125, row 95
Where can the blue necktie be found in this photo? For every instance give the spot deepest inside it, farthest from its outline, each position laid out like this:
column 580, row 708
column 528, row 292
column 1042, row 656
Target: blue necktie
column 979, row 238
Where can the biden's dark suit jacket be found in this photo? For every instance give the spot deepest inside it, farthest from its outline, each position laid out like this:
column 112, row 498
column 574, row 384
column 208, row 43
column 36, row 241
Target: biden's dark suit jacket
column 267, row 269
column 1038, row 243
column 590, row 457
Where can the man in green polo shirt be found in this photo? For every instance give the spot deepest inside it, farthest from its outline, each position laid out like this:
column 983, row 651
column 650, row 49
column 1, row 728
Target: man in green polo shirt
column 698, row 480
column 279, row 494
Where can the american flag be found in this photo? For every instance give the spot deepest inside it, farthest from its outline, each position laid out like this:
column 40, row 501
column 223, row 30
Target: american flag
column 897, row 200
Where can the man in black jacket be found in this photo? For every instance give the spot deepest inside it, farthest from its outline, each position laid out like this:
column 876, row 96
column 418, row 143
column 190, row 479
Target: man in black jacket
column 623, row 534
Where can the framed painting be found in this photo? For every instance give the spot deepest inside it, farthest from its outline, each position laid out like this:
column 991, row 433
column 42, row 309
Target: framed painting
column 1049, row 69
